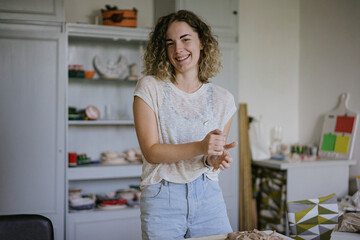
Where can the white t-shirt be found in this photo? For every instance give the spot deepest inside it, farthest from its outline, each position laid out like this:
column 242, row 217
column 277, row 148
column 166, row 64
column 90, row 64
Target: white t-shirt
column 182, row 118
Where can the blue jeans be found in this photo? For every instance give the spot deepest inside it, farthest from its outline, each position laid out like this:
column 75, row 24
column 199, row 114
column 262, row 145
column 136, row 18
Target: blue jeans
column 178, row 211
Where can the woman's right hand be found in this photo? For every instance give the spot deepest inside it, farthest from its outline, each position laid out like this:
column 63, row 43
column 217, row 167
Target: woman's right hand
column 213, row 143
column 224, row 160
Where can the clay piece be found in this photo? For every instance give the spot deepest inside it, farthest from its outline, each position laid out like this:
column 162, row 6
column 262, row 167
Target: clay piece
column 253, row 235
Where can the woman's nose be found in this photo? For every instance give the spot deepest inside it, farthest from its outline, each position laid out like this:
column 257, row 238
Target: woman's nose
column 179, row 47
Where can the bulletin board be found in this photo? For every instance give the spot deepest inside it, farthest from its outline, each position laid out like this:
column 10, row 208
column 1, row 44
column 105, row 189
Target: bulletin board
column 339, row 131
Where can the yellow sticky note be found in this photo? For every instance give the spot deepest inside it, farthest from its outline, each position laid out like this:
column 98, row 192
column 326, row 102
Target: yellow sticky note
column 342, row 144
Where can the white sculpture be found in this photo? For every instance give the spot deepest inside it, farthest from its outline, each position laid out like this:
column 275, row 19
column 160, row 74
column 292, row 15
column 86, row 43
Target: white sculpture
column 113, row 70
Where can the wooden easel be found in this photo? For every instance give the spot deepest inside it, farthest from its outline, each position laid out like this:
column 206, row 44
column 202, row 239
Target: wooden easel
column 247, row 206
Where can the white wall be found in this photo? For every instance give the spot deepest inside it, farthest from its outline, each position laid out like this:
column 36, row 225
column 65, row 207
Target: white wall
column 296, row 58
column 86, row 10
column 329, row 65
column 268, row 65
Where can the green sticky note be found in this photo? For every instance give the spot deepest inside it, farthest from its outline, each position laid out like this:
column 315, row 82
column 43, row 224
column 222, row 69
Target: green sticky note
column 342, row 144
column 328, row 143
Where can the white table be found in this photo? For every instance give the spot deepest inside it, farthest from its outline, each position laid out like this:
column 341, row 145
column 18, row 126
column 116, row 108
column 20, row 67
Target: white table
column 319, row 178
column 344, row 236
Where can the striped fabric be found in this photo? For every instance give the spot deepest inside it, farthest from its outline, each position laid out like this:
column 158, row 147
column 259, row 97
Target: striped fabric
column 270, row 192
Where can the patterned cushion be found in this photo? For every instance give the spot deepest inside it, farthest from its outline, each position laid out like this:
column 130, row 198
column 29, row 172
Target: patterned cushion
column 313, row 218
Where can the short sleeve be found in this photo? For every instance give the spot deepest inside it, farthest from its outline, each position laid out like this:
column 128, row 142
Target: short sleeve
column 224, row 104
column 231, row 107
column 145, row 89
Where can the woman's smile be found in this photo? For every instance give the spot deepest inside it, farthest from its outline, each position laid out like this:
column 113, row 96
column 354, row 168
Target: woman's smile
column 182, row 58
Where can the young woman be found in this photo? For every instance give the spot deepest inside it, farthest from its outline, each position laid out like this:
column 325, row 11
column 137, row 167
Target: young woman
column 182, row 122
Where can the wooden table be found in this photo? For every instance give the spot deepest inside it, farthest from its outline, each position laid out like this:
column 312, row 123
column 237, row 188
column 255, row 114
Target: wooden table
column 224, row 236
column 334, row 236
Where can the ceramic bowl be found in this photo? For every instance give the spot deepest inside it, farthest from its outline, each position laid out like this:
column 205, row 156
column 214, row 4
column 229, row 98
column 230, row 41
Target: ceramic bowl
column 89, row 74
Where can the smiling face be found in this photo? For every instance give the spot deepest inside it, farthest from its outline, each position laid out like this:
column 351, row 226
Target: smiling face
column 183, row 47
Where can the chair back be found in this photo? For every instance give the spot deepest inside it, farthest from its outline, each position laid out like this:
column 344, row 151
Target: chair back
column 26, row 226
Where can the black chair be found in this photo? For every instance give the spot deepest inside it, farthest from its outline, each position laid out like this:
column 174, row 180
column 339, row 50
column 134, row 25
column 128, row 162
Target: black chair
column 26, row 227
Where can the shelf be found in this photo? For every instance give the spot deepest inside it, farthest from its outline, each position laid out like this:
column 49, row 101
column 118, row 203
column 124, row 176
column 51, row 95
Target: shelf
column 107, row 32
column 100, row 122
column 104, row 172
column 98, row 212
column 103, row 80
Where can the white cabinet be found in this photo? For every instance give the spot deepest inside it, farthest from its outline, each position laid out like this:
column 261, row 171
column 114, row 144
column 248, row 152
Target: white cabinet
column 34, row 10
column 114, row 132
column 32, row 134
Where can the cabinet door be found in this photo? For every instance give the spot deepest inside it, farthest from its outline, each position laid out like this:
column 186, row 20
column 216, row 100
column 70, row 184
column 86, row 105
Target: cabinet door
column 32, row 104
column 220, row 15
column 112, row 225
column 229, row 178
column 42, row 10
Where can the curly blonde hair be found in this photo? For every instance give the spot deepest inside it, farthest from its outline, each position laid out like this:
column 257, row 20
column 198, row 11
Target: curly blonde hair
column 156, row 60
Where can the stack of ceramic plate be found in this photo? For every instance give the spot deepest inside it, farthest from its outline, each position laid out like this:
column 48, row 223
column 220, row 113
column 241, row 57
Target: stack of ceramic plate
column 110, row 201
column 79, row 204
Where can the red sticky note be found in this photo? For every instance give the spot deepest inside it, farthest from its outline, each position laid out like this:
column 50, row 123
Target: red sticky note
column 344, row 124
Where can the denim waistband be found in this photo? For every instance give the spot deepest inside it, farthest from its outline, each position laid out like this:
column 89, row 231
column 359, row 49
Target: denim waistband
column 202, row 177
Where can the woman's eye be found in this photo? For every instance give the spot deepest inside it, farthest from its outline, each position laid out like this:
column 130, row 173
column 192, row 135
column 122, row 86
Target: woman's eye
column 169, row 44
